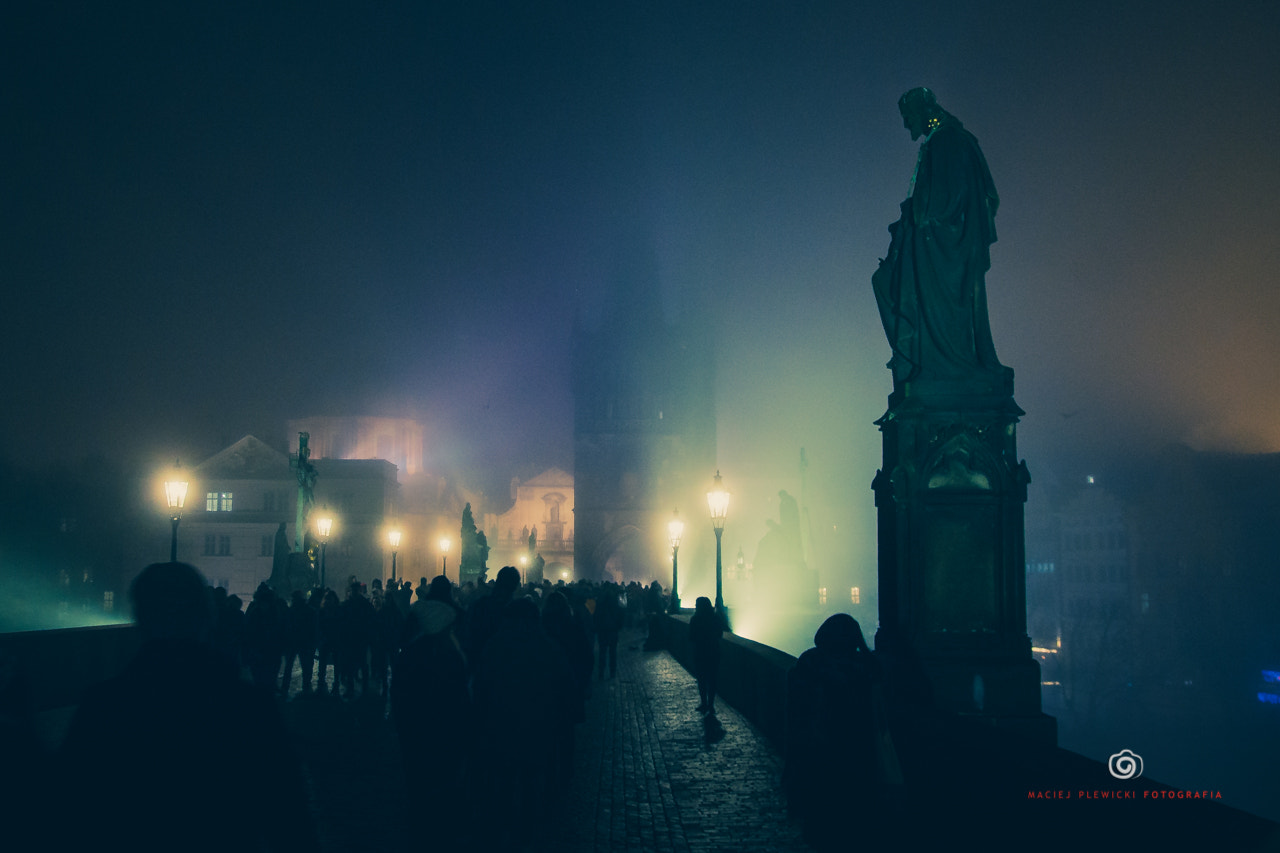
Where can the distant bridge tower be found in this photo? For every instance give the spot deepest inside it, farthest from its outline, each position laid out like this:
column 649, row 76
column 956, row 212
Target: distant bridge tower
column 644, row 434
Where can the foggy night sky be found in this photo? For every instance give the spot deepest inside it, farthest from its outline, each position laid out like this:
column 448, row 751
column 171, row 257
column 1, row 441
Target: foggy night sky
column 216, row 219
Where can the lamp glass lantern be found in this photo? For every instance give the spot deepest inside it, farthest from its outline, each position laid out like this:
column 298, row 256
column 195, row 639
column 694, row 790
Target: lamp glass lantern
column 675, row 529
column 718, row 503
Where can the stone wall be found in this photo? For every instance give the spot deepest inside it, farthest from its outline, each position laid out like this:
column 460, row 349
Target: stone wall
column 53, row 668
column 753, row 676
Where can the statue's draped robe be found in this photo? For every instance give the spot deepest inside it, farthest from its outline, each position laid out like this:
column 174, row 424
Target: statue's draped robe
column 931, row 289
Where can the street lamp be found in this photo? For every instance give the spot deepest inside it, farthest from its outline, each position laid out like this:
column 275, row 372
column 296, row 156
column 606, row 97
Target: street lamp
column 393, row 537
column 675, row 528
column 175, row 495
column 524, row 568
column 444, row 558
column 718, row 503
column 324, row 526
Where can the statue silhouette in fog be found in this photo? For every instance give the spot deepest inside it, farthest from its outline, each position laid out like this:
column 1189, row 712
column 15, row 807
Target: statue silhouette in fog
column 931, row 288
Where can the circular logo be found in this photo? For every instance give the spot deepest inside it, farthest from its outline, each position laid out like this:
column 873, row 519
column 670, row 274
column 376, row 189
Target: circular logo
column 1125, row 764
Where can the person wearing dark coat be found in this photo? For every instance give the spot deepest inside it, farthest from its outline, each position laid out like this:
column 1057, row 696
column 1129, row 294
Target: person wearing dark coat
column 145, row 757
column 525, row 698
column 264, row 637
column 832, row 771
column 358, row 622
column 705, row 629
column 608, row 619
column 485, row 615
column 301, row 640
column 330, row 619
column 431, row 710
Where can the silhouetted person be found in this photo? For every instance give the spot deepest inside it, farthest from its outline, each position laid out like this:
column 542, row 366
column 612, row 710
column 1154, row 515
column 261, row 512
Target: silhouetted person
column 524, row 695
column 388, row 625
column 654, row 607
column 301, row 640
column 264, row 637
column 228, row 632
column 832, row 773
column 330, row 641
column 705, row 629
column 358, row 622
column 608, row 619
column 146, row 756
column 431, row 709
column 485, row 615
column 564, row 630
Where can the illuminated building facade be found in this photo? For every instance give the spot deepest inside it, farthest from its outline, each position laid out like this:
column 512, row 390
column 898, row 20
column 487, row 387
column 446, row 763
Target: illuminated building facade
column 543, row 506
column 239, row 497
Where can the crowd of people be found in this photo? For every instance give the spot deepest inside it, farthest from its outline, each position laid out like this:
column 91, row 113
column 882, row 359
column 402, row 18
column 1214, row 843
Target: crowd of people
column 484, row 687
column 316, row 643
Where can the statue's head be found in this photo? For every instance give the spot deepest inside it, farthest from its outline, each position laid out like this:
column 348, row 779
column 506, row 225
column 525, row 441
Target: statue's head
column 920, row 111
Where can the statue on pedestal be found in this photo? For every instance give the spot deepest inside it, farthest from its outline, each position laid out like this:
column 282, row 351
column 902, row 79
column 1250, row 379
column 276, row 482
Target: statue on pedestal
column 931, row 288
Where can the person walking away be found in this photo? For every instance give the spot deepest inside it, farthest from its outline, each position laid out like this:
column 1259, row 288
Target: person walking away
column 705, row 630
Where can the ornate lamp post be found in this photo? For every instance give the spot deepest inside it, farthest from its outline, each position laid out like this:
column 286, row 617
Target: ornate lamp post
column 718, row 503
column 175, row 495
column 444, row 557
column 675, row 529
column 393, row 538
column 324, row 526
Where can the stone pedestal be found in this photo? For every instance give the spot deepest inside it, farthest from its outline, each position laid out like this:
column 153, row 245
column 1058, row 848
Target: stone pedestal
column 949, row 500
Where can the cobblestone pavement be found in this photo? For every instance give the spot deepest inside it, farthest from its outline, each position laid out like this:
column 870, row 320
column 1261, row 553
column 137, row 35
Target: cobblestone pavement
column 651, row 776
column 648, row 776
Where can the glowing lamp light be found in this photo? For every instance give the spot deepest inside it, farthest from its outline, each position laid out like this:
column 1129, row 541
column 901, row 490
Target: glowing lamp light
column 324, row 526
column 393, row 537
column 175, row 488
column 444, row 545
column 718, row 503
column 675, row 529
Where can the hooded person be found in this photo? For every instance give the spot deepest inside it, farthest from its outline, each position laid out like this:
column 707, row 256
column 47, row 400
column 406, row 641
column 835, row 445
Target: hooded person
column 832, row 764
column 431, row 710
column 170, row 720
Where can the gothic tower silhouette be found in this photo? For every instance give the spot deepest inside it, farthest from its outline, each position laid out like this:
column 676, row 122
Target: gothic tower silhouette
column 644, row 429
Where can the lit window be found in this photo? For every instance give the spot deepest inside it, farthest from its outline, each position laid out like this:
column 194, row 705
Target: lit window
column 210, row 501
column 224, row 501
column 822, row 595
column 855, row 595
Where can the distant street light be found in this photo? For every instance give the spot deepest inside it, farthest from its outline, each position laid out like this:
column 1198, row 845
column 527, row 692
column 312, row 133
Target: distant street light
column 718, row 503
column 175, row 495
column 524, row 568
column 393, row 537
column 444, row 558
column 675, row 529
column 324, row 526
